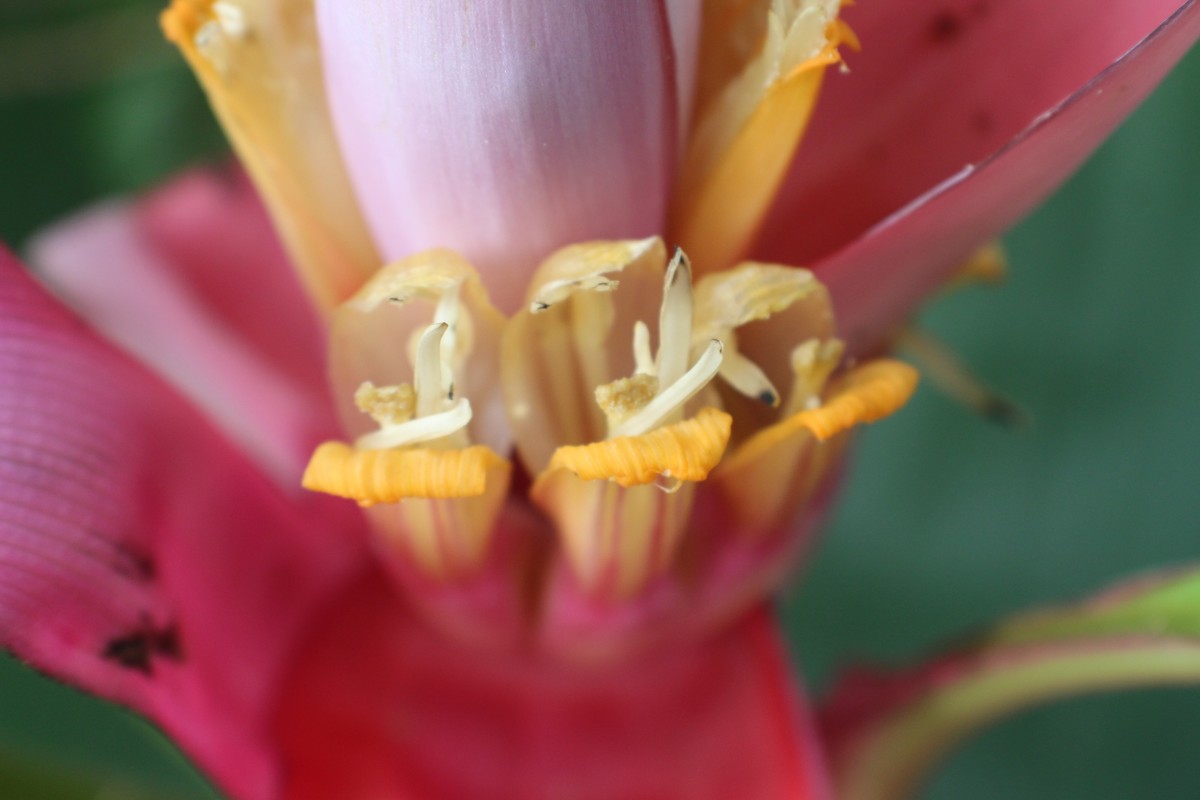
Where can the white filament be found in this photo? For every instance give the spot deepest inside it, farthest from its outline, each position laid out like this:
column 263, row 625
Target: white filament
column 675, row 321
column 672, row 397
column 420, row 429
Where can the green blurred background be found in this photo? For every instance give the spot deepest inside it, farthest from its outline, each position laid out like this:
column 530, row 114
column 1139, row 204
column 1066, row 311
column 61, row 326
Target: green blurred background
column 948, row 522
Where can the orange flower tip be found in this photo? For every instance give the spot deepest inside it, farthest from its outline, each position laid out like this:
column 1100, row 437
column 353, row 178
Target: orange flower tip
column 869, row 393
column 841, row 33
column 389, row 476
column 987, row 265
column 684, row 451
column 205, row 26
column 184, row 19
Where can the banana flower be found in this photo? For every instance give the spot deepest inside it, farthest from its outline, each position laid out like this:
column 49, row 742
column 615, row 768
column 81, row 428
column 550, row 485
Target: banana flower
column 563, row 403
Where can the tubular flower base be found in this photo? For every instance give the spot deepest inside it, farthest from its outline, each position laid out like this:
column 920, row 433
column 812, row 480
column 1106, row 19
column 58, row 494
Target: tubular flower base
column 564, row 466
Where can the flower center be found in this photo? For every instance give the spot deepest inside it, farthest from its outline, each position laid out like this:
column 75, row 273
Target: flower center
column 427, row 410
column 663, row 382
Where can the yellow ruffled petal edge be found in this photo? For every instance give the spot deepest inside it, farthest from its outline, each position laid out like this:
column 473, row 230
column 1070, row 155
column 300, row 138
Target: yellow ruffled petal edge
column 721, row 198
column 685, row 451
column 258, row 63
column 389, row 476
column 866, row 394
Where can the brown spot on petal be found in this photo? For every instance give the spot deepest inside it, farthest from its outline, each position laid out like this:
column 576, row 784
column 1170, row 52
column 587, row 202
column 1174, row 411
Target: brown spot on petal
column 945, row 27
column 133, row 562
column 139, row 649
column 983, row 122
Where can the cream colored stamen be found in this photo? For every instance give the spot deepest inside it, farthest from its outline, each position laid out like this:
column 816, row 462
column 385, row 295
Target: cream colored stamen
column 671, row 399
column 447, row 312
column 662, row 382
column 747, row 378
column 430, row 371
column 435, row 414
column 812, row 362
column 675, row 320
column 420, row 429
column 643, row 356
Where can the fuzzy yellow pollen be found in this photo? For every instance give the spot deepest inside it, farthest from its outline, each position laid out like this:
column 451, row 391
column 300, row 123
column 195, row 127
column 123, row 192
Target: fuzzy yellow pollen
column 389, row 476
column 812, row 363
column 387, row 405
column 869, row 393
column 624, row 396
column 684, row 451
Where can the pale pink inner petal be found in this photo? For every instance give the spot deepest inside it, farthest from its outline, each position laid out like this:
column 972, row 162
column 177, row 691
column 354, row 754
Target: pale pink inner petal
column 140, row 556
column 878, row 280
column 192, row 282
column 940, row 84
column 502, row 130
column 404, row 715
column 685, row 17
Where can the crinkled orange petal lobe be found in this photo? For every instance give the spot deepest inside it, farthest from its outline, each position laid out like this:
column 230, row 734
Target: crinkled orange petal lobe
column 685, row 451
column 258, row 62
column 767, row 478
column 867, row 394
column 389, row 476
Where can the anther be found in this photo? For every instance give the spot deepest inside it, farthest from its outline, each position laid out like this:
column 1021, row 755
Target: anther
column 429, row 372
column 675, row 320
column 674, row 396
column 813, row 362
column 387, row 405
column 748, row 379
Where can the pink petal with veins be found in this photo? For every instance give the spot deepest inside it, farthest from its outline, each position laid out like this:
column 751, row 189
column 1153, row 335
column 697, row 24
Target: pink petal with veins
column 938, row 85
column 219, row 312
column 878, row 279
column 140, row 556
column 503, row 130
column 404, row 715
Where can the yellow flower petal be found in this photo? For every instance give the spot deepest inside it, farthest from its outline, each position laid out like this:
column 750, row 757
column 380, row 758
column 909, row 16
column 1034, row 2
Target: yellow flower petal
column 746, row 134
column 258, row 62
